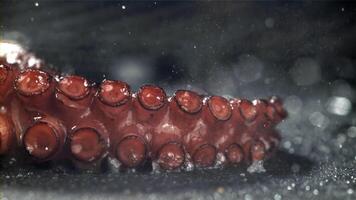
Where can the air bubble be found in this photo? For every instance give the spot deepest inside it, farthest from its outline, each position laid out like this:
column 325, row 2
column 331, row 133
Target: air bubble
column 339, row 106
column 307, row 188
column 351, row 132
column 277, row 197
column 319, row 120
column 350, row 191
column 315, row 191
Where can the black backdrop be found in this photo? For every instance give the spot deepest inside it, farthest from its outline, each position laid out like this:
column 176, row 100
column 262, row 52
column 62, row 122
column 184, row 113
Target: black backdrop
column 303, row 51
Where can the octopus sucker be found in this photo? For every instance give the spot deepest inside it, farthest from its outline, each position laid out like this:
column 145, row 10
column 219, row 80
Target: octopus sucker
column 53, row 117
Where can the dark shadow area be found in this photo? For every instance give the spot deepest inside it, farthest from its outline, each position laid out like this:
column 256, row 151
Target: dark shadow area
column 51, row 177
column 284, row 164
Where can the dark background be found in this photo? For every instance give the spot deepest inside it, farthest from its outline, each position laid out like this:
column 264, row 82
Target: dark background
column 303, row 51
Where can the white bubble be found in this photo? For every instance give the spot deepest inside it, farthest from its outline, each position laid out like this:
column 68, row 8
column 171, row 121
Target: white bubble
column 269, row 22
column 315, row 191
column 11, row 51
column 319, row 120
column 123, row 7
column 287, row 144
column 339, row 105
column 248, row 69
column 277, row 197
column 350, row 191
column 293, row 104
column 306, row 71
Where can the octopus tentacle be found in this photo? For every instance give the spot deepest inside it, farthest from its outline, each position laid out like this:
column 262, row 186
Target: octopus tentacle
column 54, row 117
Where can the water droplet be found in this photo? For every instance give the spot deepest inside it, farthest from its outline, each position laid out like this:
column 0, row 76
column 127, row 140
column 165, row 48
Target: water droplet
column 319, row 120
column 339, row 105
column 277, row 197
column 350, row 191
column 287, row 144
column 315, row 191
column 351, row 132
column 307, row 188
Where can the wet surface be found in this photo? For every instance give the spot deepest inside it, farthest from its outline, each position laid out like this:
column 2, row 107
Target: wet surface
column 288, row 177
column 300, row 51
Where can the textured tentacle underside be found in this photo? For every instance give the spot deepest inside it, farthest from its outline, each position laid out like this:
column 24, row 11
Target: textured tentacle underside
column 52, row 118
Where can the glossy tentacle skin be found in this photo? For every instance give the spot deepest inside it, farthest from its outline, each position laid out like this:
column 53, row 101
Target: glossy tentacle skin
column 52, row 117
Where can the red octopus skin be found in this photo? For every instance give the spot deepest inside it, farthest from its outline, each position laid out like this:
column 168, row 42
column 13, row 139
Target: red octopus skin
column 54, row 117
